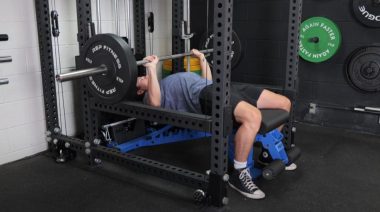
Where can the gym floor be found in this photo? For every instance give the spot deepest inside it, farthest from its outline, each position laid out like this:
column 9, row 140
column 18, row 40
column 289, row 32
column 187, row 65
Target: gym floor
column 338, row 171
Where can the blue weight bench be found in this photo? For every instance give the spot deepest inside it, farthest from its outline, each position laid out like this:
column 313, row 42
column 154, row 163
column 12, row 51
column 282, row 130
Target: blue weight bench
column 268, row 157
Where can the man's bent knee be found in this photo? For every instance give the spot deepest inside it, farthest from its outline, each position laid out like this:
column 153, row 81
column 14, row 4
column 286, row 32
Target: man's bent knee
column 287, row 104
column 253, row 122
column 248, row 115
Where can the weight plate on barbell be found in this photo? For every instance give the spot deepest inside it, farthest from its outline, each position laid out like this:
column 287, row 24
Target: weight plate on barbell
column 120, row 80
column 207, row 40
column 363, row 69
column 320, row 39
column 367, row 12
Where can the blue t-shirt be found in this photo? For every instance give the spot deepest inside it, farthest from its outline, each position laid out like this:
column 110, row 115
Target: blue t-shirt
column 181, row 91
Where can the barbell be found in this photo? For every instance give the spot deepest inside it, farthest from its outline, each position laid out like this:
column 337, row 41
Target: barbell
column 110, row 67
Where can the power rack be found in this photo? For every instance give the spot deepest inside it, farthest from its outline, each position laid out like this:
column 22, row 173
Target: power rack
column 218, row 124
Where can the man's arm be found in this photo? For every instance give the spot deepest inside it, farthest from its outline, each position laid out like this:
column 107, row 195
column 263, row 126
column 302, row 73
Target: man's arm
column 154, row 92
column 206, row 71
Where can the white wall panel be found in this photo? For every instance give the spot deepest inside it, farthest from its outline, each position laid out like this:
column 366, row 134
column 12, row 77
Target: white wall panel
column 22, row 121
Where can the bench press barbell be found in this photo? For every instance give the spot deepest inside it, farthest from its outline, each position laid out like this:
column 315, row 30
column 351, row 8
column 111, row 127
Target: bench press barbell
column 111, row 68
column 102, row 69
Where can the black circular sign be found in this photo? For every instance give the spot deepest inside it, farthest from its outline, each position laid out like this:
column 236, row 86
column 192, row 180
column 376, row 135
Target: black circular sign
column 206, row 42
column 120, row 80
column 363, row 69
column 367, row 12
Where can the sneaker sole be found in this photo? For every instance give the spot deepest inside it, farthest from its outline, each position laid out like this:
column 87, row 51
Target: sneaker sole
column 251, row 196
column 291, row 167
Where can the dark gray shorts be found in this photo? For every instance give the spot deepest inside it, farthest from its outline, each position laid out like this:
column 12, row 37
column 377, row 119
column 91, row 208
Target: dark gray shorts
column 239, row 92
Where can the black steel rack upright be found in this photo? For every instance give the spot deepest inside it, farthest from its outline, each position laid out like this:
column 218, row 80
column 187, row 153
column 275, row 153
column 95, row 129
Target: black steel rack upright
column 178, row 44
column 219, row 123
column 292, row 60
column 47, row 66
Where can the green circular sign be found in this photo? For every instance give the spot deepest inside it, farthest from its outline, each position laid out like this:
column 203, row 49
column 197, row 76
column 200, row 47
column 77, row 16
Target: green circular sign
column 320, row 39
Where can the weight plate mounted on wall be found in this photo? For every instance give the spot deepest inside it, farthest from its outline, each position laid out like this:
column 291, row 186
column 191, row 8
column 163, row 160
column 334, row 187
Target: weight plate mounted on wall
column 363, row 69
column 367, row 12
column 207, row 40
column 320, row 39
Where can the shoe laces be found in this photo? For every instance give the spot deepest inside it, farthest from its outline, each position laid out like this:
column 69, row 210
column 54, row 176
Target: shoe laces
column 246, row 178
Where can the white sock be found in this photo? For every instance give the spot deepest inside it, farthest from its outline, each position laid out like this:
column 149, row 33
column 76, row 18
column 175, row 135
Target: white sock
column 240, row 165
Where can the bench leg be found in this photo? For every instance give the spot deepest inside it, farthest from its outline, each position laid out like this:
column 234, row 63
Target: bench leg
column 271, row 141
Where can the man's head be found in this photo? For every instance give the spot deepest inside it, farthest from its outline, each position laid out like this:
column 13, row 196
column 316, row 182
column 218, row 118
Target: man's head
column 142, row 85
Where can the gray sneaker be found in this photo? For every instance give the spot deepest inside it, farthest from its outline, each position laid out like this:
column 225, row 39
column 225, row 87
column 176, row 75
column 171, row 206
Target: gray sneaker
column 241, row 181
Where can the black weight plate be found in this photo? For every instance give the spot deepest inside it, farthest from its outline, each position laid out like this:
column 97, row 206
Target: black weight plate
column 367, row 12
column 206, row 42
column 363, row 69
column 120, row 80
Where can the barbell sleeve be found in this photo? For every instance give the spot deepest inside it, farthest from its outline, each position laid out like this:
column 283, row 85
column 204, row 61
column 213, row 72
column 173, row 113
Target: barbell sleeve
column 81, row 73
column 174, row 56
column 314, row 40
column 4, row 81
column 375, row 109
column 5, row 59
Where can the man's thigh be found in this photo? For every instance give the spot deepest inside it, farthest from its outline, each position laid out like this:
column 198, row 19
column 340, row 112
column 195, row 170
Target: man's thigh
column 236, row 98
column 271, row 100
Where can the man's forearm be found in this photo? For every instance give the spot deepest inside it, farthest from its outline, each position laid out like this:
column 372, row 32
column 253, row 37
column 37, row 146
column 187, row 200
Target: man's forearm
column 206, row 71
column 154, row 92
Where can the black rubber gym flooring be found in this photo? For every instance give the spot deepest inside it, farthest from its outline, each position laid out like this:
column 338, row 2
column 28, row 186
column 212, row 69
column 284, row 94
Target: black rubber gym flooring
column 338, row 171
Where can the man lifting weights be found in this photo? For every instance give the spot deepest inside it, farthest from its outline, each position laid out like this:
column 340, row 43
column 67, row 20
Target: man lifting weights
column 189, row 92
